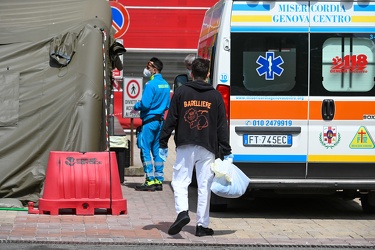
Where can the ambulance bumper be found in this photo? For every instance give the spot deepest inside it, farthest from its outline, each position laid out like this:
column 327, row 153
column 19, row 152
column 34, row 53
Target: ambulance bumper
column 311, row 183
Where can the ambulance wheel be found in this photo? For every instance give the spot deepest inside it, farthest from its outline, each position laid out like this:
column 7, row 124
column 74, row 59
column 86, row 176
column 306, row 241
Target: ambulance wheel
column 218, row 204
column 368, row 202
column 218, row 207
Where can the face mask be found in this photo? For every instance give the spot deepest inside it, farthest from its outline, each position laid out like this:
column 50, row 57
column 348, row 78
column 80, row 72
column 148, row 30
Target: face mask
column 188, row 72
column 147, row 73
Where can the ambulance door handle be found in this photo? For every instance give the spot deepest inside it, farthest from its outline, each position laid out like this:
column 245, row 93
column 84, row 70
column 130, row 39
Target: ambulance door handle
column 328, row 109
column 226, row 44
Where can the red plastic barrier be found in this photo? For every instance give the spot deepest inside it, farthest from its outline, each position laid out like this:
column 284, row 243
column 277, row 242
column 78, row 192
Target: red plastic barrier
column 82, row 182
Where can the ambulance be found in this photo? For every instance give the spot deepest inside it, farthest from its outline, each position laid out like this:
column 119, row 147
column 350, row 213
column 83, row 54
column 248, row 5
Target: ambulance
column 297, row 78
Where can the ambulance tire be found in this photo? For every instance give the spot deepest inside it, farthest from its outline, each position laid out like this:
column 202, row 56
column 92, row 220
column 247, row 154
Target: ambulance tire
column 218, row 204
column 218, row 207
column 368, row 202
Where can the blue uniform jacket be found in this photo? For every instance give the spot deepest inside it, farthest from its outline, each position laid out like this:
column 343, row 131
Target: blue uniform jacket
column 155, row 98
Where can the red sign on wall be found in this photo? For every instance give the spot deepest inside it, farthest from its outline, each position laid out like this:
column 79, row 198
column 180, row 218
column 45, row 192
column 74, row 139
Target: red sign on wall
column 168, row 24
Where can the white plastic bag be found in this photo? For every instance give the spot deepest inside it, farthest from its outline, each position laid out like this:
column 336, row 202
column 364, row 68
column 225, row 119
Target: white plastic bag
column 220, row 168
column 229, row 180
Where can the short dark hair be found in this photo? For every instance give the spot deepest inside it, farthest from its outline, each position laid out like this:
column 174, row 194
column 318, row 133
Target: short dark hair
column 158, row 64
column 200, row 68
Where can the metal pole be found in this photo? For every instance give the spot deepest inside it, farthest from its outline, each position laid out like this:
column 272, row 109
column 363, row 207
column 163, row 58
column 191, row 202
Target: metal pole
column 131, row 142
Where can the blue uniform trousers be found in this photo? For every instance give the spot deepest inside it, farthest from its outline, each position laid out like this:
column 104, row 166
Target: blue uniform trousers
column 148, row 143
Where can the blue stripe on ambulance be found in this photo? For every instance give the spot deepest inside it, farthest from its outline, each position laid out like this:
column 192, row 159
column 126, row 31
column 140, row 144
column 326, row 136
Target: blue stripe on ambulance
column 339, row 29
column 364, row 7
column 265, row 29
column 270, row 158
column 251, row 7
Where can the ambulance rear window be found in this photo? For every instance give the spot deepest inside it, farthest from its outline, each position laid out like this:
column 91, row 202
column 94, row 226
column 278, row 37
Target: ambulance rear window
column 342, row 64
column 348, row 64
column 269, row 64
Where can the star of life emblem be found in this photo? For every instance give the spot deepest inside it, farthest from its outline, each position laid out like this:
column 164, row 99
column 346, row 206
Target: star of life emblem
column 270, row 66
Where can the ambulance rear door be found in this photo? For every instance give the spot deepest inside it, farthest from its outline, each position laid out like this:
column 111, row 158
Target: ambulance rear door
column 269, row 91
column 342, row 93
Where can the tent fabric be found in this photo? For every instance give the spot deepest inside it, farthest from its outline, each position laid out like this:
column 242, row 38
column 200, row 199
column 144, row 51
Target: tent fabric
column 48, row 104
column 9, row 85
column 62, row 48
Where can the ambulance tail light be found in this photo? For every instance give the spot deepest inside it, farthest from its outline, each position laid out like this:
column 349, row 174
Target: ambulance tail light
column 225, row 92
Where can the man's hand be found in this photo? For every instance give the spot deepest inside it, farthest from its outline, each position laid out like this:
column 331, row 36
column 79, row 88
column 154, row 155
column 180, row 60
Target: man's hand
column 227, row 157
column 163, row 153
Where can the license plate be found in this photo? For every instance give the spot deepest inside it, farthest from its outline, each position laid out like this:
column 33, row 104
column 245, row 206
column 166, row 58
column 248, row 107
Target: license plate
column 267, row 140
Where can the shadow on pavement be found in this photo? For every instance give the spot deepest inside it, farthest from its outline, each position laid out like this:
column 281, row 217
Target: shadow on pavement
column 286, row 207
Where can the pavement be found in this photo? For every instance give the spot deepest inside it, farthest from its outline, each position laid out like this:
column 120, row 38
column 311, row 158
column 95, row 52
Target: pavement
column 149, row 215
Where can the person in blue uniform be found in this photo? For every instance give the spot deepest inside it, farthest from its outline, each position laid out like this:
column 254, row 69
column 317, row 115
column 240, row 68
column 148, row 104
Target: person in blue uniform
column 155, row 101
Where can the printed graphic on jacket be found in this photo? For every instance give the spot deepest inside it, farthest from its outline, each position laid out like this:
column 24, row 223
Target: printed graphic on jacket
column 196, row 118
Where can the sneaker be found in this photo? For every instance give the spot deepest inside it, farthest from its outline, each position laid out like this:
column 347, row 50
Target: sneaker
column 182, row 220
column 158, row 185
column 147, row 186
column 203, row 231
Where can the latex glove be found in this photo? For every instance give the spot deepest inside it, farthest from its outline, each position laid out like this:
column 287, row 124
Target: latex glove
column 163, row 153
column 227, row 157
